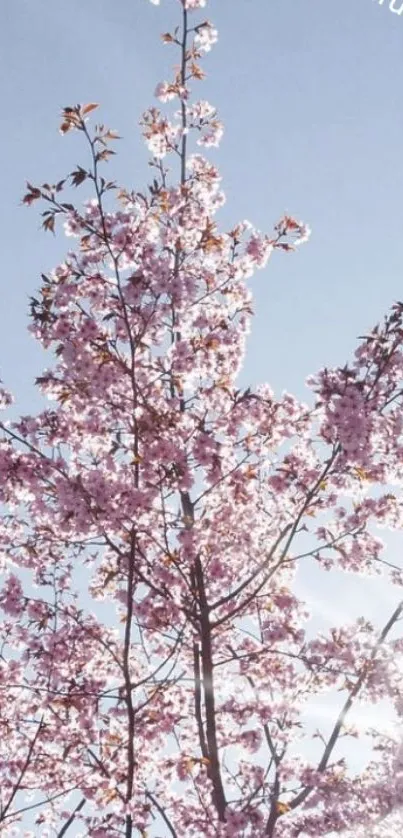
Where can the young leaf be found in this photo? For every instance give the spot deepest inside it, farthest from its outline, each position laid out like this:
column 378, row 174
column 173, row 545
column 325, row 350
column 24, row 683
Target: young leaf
column 86, row 109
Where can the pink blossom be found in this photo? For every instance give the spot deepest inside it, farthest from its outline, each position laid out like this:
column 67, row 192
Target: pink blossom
column 206, row 36
column 11, row 596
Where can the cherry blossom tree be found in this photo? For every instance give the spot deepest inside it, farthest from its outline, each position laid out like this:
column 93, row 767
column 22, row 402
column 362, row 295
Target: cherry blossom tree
column 155, row 660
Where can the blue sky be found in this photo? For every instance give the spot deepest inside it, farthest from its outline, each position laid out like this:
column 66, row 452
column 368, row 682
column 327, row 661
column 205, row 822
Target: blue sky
column 311, row 95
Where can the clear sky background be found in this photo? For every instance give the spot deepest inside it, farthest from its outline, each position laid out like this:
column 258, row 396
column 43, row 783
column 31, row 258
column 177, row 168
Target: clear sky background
column 310, row 92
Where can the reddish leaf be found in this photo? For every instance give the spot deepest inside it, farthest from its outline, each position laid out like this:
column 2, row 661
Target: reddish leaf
column 71, row 119
column 78, row 176
column 33, row 195
column 105, row 155
column 88, row 108
column 65, row 126
column 112, row 135
column 49, row 223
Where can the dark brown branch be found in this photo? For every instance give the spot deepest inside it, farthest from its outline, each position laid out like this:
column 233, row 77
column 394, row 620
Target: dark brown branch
column 274, row 813
column 198, row 708
column 71, row 819
column 163, row 814
column 185, row 33
column 214, row 771
column 128, row 687
column 40, row 803
column 3, row 813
